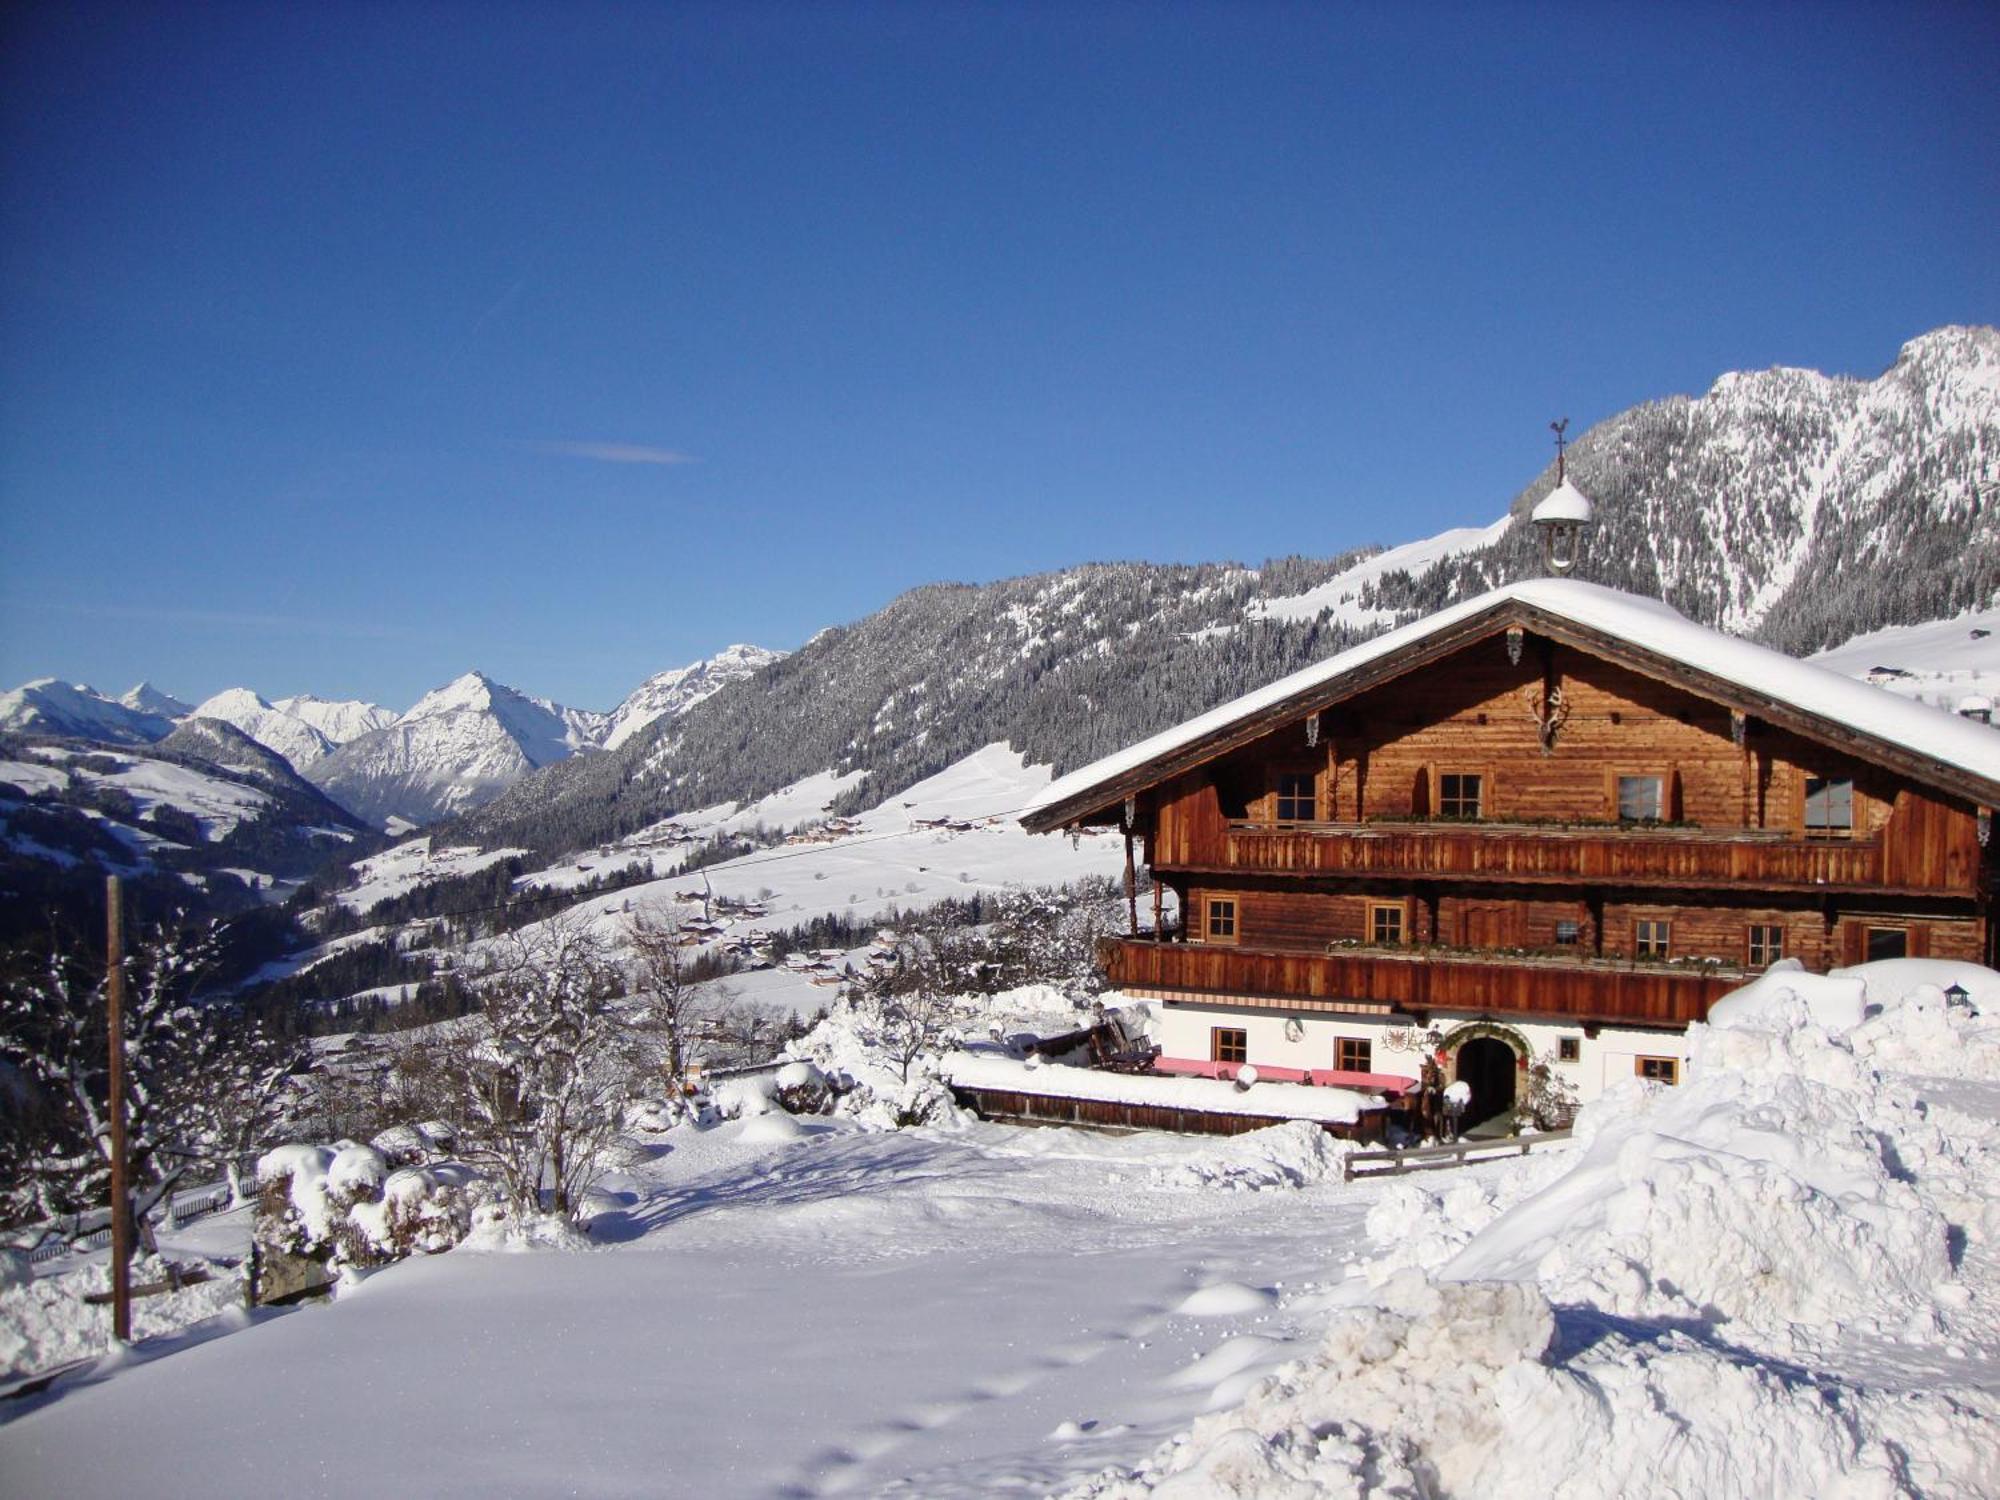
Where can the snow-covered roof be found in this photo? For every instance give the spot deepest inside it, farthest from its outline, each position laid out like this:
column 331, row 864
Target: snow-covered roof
column 1841, row 706
column 1563, row 503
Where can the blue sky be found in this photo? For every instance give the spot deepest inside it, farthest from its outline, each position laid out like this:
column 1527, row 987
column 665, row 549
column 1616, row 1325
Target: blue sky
column 345, row 347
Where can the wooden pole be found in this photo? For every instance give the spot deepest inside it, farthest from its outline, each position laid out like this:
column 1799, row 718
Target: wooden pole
column 1131, row 889
column 121, row 1198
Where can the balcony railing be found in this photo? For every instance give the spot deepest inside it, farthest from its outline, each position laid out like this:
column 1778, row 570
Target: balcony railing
column 1582, row 991
column 1530, row 853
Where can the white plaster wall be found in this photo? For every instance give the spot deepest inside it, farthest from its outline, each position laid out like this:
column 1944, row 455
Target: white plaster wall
column 1608, row 1058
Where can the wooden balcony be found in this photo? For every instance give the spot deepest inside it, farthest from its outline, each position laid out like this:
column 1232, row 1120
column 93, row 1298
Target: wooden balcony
column 1667, row 857
column 1363, row 981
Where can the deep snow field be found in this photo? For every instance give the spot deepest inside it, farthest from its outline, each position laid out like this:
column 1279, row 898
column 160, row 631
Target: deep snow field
column 1782, row 1278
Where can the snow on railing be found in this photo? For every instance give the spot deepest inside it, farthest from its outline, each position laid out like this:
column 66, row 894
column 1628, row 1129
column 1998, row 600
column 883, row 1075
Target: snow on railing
column 196, row 1203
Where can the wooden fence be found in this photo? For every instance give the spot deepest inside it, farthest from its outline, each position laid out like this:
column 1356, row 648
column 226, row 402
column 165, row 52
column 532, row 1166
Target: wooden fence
column 1434, row 1158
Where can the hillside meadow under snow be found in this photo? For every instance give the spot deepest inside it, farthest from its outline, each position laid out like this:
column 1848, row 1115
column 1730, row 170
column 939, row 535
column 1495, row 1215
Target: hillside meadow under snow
column 1782, row 1278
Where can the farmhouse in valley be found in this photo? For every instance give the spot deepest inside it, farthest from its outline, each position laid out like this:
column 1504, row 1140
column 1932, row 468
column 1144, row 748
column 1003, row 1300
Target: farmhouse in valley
column 1549, row 827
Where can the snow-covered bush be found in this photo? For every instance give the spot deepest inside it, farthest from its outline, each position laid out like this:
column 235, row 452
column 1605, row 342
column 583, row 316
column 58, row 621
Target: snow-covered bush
column 872, row 1079
column 802, row 1089
column 344, row 1208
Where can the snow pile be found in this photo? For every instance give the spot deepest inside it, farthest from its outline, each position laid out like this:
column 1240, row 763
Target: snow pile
column 1671, row 1306
column 498, row 1230
column 1457, row 1389
column 1293, row 1155
column 1789, row 1186
column 45, row 1322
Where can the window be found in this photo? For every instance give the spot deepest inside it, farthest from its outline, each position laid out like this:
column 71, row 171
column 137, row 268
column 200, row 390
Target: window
column 1829, row 808
column 1229, row 1044
column 1638, row 799
column 1221, row 919
column 1650, row 936
column 1658, row 1069
column 1459, row 795
column 1354, row 1054
column 1569, row 1049
column 1767, row 944
column 1568, row 934
column 1887, row 942
column 1385, row 924
column 1298, row 800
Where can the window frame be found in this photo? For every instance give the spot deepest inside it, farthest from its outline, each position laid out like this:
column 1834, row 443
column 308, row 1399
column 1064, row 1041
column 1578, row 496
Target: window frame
column 1618, row 781
column 1279, row 796
column 1764, row 944
column 1827, row 829
column 1575, row 938
column 1377, row 910
column 1354, row 1054
column 1223, row 1040
column 1231, row 919
column 1480, row 800
column 1569, row 1049
column 1665, row 1070
column 1652, row 944
column 1872, row 931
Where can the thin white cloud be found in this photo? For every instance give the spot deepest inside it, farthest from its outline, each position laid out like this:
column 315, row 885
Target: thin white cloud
column 612, row 453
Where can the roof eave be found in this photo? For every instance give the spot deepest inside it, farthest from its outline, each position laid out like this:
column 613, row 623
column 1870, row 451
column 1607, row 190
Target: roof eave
column 1081, row 806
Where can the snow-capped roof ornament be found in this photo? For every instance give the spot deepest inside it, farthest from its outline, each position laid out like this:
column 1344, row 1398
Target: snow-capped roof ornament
column 1562, row 513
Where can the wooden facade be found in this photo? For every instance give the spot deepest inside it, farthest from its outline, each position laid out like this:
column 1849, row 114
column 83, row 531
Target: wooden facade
column 1522, row 818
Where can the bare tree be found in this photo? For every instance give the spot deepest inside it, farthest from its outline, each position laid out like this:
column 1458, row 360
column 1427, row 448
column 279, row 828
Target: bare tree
column 204, row 1078
column 911, row 1003
column 536, row 1084
column 680, row 1012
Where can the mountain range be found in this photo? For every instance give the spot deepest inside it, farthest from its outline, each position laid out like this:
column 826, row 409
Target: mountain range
column 456, row 747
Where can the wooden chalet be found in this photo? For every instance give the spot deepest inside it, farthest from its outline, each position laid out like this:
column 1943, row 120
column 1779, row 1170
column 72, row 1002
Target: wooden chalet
column 1551, row 825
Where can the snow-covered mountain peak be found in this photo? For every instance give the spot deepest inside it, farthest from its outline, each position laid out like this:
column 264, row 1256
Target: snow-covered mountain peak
column 230, row 702
column 147, row 699
column 339, row 719
column 48, row 705
column 297, row 741
column 472, row 690
column 458, row 746
column 673, row 692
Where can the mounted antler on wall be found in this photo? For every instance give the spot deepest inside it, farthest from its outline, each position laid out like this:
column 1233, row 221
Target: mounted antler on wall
column 1548, row 706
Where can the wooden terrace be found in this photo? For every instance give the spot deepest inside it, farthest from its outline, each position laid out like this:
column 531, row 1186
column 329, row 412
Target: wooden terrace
column 1379, row 981
column 1529, row 853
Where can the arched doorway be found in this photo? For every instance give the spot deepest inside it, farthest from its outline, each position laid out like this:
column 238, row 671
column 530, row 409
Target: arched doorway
column 1489, row 1065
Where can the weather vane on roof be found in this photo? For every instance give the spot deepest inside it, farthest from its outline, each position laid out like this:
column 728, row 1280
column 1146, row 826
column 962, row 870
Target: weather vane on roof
column 1563, row 513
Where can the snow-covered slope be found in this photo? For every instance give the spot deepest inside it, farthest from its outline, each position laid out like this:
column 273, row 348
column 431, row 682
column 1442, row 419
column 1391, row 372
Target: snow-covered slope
column 458, row 747
column 1779, row 1279
column 190, row 821
column 676, row 691
column 291, row 737
column 51, row 707
column 1943, row 663
column 340, row 720
column 1341, row 597
column 223, row 744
